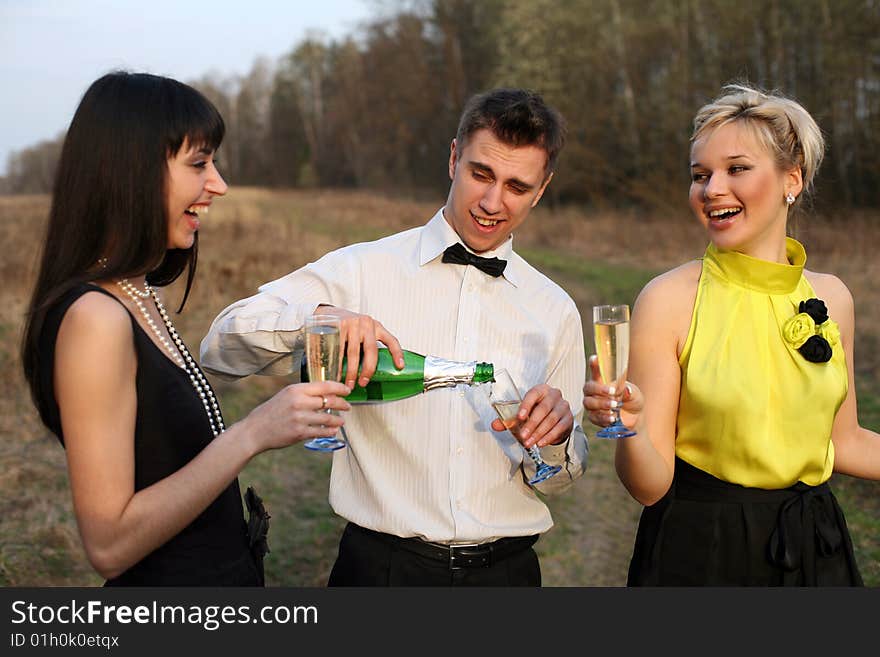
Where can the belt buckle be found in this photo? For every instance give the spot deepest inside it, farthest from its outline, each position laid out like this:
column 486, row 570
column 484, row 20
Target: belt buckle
column 468, row 546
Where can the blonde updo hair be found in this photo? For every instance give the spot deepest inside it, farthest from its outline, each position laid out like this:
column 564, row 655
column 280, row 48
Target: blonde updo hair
column 780, row 124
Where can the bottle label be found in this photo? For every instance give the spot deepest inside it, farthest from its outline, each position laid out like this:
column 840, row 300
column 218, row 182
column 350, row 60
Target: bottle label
column 442, row 373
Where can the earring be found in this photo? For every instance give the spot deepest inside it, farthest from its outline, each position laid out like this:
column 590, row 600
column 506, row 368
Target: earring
column 790, row 198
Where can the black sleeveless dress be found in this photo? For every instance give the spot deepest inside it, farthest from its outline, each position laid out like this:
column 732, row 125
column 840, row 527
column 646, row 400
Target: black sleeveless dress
column 171, row 429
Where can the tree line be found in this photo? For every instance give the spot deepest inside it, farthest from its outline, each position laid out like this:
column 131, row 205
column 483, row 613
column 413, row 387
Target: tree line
column 378, row 108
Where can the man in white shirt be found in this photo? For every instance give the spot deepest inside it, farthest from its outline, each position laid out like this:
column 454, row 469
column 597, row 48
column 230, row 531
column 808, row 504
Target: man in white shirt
column 434, row 489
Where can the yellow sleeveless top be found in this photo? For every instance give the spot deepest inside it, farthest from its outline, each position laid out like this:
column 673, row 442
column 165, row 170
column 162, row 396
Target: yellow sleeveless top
column 753, row 410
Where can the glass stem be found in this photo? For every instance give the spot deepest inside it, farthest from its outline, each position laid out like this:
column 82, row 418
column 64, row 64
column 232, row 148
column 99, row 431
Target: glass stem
column 535, row 453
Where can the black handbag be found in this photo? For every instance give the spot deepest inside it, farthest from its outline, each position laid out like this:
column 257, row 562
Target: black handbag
column 258, row 529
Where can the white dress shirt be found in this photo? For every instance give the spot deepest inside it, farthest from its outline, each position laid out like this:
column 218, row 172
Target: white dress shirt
column 429, row 466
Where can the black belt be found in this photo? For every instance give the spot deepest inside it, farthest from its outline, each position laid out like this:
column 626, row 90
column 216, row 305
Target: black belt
column 482, row 555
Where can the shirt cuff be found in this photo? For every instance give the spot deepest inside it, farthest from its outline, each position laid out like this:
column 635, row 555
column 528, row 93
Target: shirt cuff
column 290, row 324
column 555, row 454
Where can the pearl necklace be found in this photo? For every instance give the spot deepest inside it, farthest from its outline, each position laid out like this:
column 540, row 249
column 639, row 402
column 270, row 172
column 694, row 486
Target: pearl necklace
column 181, row 354
column 136, row 296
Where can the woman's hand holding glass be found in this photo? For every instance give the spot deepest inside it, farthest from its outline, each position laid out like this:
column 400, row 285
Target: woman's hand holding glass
column 324, row 361
column 297, row 412
column 611, row 338
column 604, row 407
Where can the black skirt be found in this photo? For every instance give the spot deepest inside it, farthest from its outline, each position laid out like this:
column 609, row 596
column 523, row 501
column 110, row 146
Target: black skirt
column 708, row 532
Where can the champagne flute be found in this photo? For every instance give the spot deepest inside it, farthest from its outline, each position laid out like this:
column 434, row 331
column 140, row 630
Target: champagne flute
column 505, row 399
column 324, row 362
column 611, row 331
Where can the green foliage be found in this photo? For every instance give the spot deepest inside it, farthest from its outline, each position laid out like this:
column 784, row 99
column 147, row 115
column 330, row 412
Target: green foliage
column 608, row 282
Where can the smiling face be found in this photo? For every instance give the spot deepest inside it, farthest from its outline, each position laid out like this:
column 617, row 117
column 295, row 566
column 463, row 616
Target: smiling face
column 738, row 193
column 192, row 182
column 494, row 186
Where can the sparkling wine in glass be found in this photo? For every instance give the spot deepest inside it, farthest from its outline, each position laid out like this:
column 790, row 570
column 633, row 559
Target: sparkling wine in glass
column 324, row 362
column 505, row 399
column 611, row 331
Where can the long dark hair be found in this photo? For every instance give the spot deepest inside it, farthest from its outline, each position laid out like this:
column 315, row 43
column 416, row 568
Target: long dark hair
column 108, row 217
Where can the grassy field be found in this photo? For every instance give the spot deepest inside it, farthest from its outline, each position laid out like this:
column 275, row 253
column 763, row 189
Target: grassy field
column 255, row 235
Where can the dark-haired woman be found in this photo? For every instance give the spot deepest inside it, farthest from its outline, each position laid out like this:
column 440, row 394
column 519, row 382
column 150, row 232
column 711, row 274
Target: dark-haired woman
column 153, row 468
column 743, row 392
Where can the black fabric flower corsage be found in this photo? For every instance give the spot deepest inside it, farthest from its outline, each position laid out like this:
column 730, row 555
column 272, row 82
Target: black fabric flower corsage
column 815, row 308
column 816, row 349
column 811, row 331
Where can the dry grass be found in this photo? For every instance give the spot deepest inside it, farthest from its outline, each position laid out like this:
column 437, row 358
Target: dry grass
column 256, row 235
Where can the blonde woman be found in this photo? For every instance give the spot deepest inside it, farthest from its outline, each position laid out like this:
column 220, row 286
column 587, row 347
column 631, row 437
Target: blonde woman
column 741, row 373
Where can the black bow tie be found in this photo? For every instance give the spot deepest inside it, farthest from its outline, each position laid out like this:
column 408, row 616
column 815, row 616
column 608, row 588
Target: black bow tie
column 458, row 255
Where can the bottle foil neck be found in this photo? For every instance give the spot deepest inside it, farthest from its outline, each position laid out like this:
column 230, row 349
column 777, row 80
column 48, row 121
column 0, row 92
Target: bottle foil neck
column 442, row 373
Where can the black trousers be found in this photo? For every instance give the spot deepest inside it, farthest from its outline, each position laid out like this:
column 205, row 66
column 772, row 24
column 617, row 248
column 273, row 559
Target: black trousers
column 368, row 558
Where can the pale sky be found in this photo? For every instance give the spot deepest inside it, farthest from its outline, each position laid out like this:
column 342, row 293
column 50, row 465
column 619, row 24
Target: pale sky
column 51, row 50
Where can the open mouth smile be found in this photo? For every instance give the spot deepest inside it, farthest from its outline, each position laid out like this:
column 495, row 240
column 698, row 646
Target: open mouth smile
column 723, row 217
column 724, row 213
column 195, row 210
column 484, row 222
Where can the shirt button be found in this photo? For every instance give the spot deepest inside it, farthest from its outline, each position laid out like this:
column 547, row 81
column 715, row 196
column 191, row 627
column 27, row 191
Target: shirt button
column 470, row 288
column 459, row 451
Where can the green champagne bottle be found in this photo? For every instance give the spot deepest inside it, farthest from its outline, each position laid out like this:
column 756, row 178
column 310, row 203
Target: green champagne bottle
column 420, row 373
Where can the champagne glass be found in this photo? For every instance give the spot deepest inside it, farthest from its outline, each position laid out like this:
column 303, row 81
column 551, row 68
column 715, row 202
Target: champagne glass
column 324, row 362
column 611, row 331
column 505, row 399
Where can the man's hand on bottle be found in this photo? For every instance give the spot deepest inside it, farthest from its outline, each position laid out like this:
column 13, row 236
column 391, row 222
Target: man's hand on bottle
column 547, row 417
column 359, row 334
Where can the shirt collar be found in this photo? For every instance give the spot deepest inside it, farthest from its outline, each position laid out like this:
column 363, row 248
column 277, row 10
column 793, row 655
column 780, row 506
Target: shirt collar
column 437, row 235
